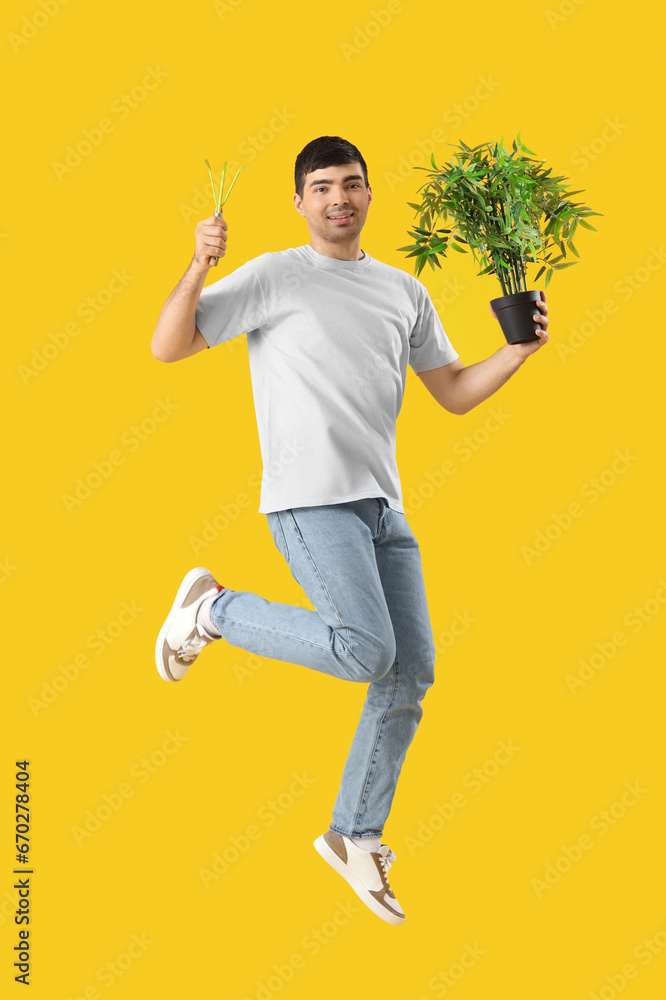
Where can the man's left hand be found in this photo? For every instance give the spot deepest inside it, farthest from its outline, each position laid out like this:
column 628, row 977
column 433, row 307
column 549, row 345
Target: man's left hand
column 524, row 350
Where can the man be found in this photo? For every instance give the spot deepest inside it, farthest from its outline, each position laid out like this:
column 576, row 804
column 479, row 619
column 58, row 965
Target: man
column 330, row 332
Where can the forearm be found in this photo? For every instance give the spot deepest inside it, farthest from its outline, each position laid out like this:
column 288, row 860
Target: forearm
column 477, row 382
column 176, row 324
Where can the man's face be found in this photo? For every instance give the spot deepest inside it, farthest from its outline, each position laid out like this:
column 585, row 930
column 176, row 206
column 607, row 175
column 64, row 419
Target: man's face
column 333, row 192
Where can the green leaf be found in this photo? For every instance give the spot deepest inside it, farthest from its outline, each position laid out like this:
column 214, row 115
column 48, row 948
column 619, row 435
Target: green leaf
column 499, row 205
column 548, row 277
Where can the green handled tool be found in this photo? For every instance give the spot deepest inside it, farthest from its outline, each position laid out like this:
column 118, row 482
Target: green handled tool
column 219, row 201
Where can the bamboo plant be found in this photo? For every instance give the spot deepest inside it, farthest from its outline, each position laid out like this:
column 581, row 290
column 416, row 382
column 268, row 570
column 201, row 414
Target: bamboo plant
column 505, row 206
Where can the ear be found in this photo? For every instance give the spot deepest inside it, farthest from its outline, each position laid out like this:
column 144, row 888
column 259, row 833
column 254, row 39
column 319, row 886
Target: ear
column 298, row 204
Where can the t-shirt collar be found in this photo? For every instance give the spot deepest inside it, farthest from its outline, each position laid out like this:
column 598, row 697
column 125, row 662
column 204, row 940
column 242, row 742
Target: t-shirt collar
column 332, row 263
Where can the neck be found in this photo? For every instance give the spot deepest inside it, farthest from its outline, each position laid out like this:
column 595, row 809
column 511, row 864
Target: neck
column 348, row 250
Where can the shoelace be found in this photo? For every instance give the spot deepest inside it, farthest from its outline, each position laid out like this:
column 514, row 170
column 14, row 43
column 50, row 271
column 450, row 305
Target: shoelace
column 386, row 857
column 191, row 648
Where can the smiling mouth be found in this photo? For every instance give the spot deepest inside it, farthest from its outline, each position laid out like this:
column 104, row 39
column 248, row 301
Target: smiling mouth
column 339, row 218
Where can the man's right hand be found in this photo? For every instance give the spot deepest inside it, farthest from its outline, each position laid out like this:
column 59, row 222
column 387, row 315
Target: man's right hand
column 211, row 240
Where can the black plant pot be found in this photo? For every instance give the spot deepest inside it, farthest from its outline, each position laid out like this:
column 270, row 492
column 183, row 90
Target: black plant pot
column 515, row 313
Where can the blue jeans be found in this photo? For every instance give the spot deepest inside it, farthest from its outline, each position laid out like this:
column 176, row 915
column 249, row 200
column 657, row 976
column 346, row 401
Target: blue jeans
column 360, row 566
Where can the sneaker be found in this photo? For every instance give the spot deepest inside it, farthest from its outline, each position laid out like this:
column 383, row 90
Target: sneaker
column 366, row 872
column 182, row 637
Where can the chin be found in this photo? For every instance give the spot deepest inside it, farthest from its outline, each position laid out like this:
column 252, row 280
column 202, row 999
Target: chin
column 354, row 227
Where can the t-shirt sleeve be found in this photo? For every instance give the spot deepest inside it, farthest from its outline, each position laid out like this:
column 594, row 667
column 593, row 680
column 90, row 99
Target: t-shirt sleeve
column 232, row 305
column 429, row 346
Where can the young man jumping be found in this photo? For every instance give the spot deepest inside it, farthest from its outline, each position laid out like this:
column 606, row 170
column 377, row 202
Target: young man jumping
column 330, row 332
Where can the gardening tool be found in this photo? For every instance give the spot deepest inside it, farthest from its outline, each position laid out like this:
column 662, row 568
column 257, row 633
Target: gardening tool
column 219, row 201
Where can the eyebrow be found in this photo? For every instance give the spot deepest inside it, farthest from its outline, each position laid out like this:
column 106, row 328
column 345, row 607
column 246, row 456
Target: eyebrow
column 327, row 180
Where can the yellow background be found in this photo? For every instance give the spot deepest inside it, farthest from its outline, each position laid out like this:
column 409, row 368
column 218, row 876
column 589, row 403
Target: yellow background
column 561, row 76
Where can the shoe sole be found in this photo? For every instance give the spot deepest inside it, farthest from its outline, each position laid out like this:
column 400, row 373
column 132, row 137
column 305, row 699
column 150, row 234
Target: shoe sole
column 328, row 854
column 189, row 579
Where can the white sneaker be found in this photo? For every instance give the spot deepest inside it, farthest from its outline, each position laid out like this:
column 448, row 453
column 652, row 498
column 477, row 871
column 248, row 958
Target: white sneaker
column 366, row 872
column 182, row 637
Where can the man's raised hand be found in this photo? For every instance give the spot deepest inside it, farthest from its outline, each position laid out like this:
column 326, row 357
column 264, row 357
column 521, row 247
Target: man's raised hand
column 211, row 241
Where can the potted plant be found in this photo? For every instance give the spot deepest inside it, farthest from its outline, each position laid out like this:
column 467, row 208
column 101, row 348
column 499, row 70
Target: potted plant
column 506, row 207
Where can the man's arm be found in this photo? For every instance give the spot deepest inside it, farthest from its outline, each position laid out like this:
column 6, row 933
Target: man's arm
column 459, row 388
column 176, row 335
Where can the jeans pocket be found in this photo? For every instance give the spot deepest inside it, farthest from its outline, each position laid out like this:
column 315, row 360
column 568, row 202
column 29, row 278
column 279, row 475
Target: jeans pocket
column 277, row 531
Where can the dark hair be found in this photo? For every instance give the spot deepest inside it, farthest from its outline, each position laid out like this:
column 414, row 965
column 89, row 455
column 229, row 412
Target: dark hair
column 326, row 151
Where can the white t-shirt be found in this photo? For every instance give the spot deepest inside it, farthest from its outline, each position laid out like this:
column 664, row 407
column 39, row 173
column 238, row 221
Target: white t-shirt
column 328, row 343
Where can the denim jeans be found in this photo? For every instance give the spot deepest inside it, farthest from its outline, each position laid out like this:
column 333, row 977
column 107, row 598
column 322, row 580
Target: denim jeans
column 360, row 566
